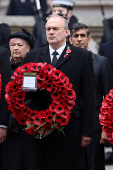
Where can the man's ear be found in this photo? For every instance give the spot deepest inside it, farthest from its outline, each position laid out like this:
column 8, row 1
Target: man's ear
column 89, row 39
column 67, row 32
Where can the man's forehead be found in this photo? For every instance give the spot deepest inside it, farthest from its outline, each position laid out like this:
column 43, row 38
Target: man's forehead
column 80, row 31
column 54, row 20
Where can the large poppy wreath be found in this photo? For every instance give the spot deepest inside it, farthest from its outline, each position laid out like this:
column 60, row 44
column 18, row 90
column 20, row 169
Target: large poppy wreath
column 41, row 123
column 106, row 115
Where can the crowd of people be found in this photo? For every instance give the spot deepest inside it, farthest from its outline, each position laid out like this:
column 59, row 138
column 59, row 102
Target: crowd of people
column 81, row 145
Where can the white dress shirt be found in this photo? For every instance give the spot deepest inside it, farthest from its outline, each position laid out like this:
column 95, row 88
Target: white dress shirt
column 59, row 50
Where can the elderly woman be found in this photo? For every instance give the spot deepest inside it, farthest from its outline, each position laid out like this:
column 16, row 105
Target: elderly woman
column 19, row 147
column 20, row 43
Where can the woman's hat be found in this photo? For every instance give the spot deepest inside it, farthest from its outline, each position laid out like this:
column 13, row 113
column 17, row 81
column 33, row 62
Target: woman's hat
column 26, row 36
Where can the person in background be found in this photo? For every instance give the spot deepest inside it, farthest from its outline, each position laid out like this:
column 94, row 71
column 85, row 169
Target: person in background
column 58, row 151
column 20, row 43
column 18, row 147
column 4, row 35
column 107, row 31
column 65, row 7
column 106, row 49
column 80, row 37
column 25, row 7
column 62, row 7
column 5, row 73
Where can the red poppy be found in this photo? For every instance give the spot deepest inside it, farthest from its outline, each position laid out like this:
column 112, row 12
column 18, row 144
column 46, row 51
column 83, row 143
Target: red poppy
column 56, row 74
column 41, row 66
column 36, row 120
column 111, row 92
column 59, row 109
column 48, row 69
column 68, row 51
column 58, row 118
column 30, row 131
column 64, row 121
column 49, row 118
column 55, row 95
column 108, row 97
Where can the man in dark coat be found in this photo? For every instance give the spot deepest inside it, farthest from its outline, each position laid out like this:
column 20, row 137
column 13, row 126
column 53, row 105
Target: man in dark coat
column 4, row 35
column 25, row 7
column 80, row 37
column 106, row 50
column 66, row 151
column 5, row 73
column 18, row 147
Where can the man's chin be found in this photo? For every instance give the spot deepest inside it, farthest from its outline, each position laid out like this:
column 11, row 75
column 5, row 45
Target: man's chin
column 81, row 46
column 52, row 42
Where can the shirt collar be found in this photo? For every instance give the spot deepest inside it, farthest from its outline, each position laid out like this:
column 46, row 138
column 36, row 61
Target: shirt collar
column 59, row 50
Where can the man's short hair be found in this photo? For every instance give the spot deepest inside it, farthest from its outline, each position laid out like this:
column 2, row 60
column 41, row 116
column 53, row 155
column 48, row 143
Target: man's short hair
column 65, row 21
column 78, row 26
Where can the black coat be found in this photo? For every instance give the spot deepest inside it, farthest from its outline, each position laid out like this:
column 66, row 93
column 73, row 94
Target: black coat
column 19, row 149
column 59, row 151
column 106, row 50
column 5, row 71
column 4, row 35
column 103, row 83
column 27, row 8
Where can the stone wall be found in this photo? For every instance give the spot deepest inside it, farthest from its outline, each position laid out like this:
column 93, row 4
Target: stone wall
column 87, row 12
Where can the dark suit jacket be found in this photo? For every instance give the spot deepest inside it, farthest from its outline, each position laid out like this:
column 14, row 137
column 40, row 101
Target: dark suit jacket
column 106, row 50
column 78, row 67
column 103, row 83
column 58, row 151
column 6, row 73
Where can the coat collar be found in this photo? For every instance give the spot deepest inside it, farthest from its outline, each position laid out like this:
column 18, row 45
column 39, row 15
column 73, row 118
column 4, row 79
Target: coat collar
column 45, row 56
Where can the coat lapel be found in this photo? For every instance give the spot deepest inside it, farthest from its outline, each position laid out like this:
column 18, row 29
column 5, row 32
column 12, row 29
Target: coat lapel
column 62, row 59
column 45, row 56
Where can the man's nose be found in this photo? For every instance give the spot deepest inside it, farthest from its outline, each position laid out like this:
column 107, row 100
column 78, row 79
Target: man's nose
column 79, row 37
column 51, row 31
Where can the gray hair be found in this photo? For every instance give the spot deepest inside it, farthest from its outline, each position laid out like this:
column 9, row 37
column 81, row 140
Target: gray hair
column 65, row 21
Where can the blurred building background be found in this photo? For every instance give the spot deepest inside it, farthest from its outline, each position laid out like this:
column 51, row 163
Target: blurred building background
column 87, row 12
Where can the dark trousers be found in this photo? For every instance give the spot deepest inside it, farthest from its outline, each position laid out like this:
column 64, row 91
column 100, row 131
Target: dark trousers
column 98, row 152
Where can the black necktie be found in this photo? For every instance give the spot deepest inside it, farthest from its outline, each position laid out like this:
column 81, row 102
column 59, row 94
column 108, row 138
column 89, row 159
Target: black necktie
column 54, row 57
